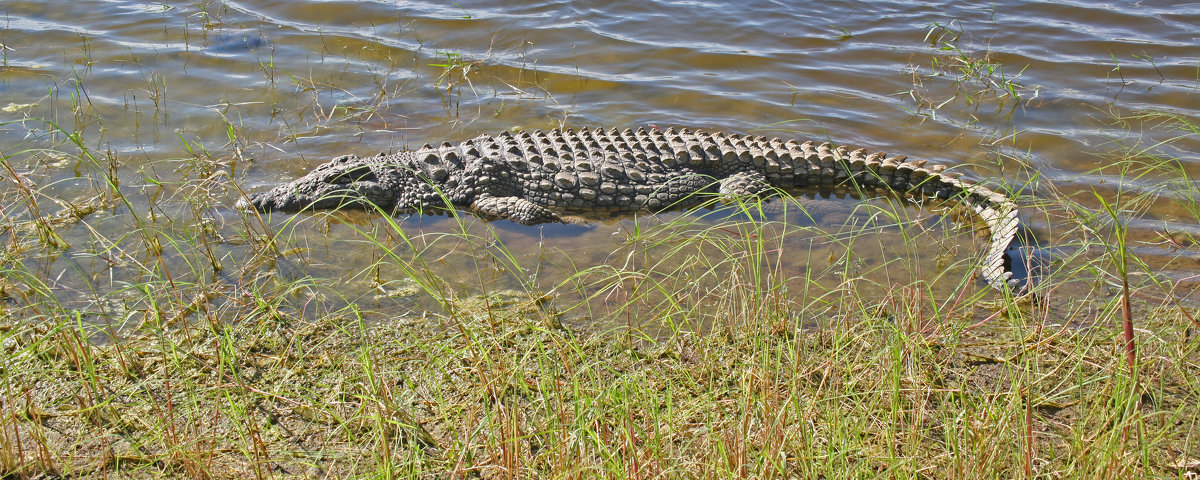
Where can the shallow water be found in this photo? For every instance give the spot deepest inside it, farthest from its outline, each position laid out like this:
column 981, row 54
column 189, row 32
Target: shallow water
column 179, row 102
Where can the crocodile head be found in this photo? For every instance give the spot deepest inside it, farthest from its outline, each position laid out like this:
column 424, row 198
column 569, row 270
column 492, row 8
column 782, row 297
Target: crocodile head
column 349, row 182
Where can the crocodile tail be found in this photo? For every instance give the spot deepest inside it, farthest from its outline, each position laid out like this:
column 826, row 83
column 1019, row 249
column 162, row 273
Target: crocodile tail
column 790, row 163
column 997, row 211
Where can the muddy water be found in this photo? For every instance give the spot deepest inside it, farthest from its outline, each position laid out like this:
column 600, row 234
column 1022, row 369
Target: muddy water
column 179, row 103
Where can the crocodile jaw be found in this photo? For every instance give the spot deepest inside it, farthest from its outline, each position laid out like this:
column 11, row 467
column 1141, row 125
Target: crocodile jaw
column 345, row 182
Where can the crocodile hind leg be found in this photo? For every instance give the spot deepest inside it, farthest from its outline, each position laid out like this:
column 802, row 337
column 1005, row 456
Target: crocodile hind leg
column 744, row 184
column 515, row 209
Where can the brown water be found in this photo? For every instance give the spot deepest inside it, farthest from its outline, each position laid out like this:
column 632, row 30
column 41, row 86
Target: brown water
column 180, row 102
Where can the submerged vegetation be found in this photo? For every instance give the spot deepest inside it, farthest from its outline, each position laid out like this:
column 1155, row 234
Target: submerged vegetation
column 149, row 330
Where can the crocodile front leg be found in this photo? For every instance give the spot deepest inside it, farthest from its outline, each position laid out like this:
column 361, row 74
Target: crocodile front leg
column 515, row 209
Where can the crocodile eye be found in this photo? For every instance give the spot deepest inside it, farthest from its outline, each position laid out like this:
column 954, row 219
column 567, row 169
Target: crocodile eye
column 351, row 175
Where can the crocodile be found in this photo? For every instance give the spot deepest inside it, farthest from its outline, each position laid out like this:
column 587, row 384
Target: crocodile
column 532, row 177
